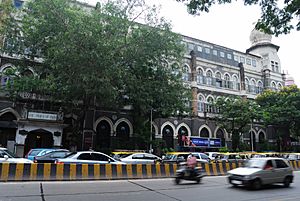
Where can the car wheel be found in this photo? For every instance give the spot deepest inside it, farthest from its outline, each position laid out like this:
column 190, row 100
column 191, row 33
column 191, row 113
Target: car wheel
column 198, row 180
column 256, row 184
column 177, row 180
column 287, row 182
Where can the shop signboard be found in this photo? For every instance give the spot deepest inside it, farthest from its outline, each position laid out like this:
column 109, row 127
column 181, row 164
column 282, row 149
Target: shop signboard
column 205, row 142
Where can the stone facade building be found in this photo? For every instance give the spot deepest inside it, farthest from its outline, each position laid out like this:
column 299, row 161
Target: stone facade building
column 211, row 71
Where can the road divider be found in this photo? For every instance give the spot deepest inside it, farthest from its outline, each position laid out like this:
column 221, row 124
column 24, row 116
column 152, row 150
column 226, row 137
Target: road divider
column 59, row 172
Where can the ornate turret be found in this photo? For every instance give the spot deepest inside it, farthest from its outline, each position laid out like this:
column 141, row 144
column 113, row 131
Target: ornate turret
column 259, row 38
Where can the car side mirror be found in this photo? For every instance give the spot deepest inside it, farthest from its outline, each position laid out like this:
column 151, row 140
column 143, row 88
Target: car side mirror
column 6, row 157
column 109, row 160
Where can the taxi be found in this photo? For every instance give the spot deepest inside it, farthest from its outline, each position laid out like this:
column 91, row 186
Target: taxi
column 178, row 157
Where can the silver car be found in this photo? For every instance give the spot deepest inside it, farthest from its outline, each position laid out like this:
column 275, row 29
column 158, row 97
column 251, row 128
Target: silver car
column 141, row 158
column 262, row 171
column 8, row 157
column 87, row 157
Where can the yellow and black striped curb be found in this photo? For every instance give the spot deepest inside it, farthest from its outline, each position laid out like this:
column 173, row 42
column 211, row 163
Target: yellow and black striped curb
column 48, row 172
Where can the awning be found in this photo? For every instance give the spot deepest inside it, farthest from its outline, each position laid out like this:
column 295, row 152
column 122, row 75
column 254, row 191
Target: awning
column 8, row 124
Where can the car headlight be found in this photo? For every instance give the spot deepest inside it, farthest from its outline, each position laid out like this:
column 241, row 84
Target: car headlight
column 248, row 177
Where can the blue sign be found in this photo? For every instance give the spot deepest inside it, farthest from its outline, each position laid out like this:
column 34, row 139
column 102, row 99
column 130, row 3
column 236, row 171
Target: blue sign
column 205, row 142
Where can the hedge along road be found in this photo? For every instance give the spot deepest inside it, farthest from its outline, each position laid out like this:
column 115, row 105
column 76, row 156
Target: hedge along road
column 211, row 189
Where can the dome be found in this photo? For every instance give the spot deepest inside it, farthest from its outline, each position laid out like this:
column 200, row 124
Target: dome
column 258, row 37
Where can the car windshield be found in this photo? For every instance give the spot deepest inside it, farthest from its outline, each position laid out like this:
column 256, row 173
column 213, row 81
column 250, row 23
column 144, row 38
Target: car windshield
column 70, row 155
column 255, row 163
column 10, row 154
column 119, row 156
column 169, row 157
column 34, row 152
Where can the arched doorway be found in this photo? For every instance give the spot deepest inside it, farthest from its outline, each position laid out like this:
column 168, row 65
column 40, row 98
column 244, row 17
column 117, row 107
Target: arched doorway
column 204, row 132
column 38, row 139
column 261, row 137
column 220, row 134
column 122, row 135
column 167, row 136
column 182, row 134
column 7, row 128
column 103, row 132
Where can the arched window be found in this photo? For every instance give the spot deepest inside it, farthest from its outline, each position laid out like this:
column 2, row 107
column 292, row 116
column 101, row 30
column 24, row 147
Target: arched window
column 273, row 86
column 5, row 78
column 220, row 134
column 247, row 85
column 200, row 103
column 209, row 78
column 27, row 73
column 185, row 73
column 279, row 86
column 200, row 76
column 226, row 81
column 259, row 87
column 235, row 82
column 218, row 80
column 209, row 106
column 261, row 137
column 252, row 86
column 204, row 132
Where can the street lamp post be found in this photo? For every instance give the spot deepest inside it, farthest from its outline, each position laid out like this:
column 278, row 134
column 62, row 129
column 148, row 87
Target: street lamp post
column 150, row 146
column 251, row 133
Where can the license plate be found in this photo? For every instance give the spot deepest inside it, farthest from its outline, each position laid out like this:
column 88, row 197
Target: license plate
column 236, row 182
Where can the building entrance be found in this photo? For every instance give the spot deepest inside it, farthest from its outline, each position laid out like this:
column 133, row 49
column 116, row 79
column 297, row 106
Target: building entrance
column 38, row 139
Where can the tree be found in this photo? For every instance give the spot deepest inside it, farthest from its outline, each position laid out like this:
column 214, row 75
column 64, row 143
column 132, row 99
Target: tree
column 6, row 8
column 275, row 19
column 235, row 115
column 281, row 109
column 99, row 57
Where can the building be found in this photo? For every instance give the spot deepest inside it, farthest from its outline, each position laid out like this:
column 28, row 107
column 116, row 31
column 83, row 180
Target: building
column 211, row 71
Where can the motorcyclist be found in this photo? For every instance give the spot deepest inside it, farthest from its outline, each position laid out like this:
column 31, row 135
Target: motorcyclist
column 191, row 163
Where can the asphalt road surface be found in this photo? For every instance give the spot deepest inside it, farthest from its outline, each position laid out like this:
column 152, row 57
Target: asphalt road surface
column 210, row 189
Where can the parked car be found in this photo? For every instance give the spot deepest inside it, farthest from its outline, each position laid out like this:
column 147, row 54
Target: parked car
column 178, row 157
column 212, row 155
column 38, row 152
column 88, row 157
column 261, row 171
column 52, row 156
column 294, row 156
column 122, row 154
column 8, row 157
column 230, row 157
column 141, row 158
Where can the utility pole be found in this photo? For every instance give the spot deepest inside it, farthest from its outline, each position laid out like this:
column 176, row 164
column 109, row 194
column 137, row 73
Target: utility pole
column 150, row 147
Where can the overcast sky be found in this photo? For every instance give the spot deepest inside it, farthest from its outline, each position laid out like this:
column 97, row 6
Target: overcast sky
column 229, row 25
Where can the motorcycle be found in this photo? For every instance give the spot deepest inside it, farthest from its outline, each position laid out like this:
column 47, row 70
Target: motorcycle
column 186, row 173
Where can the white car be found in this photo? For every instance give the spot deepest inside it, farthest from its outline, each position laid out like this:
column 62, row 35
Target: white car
column 261, row 171
column 212, row 155
column 88, row 157
column 8, row 157
column 141, row 158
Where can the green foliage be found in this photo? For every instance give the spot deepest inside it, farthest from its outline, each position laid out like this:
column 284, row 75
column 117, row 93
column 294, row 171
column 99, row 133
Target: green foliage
column 99, row 57
column 276, row 18
column 235, row 114
column 224, row 149
column 281, row 108
column 6, row 9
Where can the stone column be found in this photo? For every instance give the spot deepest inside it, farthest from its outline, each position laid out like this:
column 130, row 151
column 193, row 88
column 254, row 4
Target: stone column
column 194, row 84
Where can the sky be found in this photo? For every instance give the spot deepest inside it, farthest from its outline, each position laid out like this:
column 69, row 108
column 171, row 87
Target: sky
column 230, row 26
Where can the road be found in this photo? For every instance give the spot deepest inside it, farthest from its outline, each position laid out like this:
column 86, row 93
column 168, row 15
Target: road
column 211, row 189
